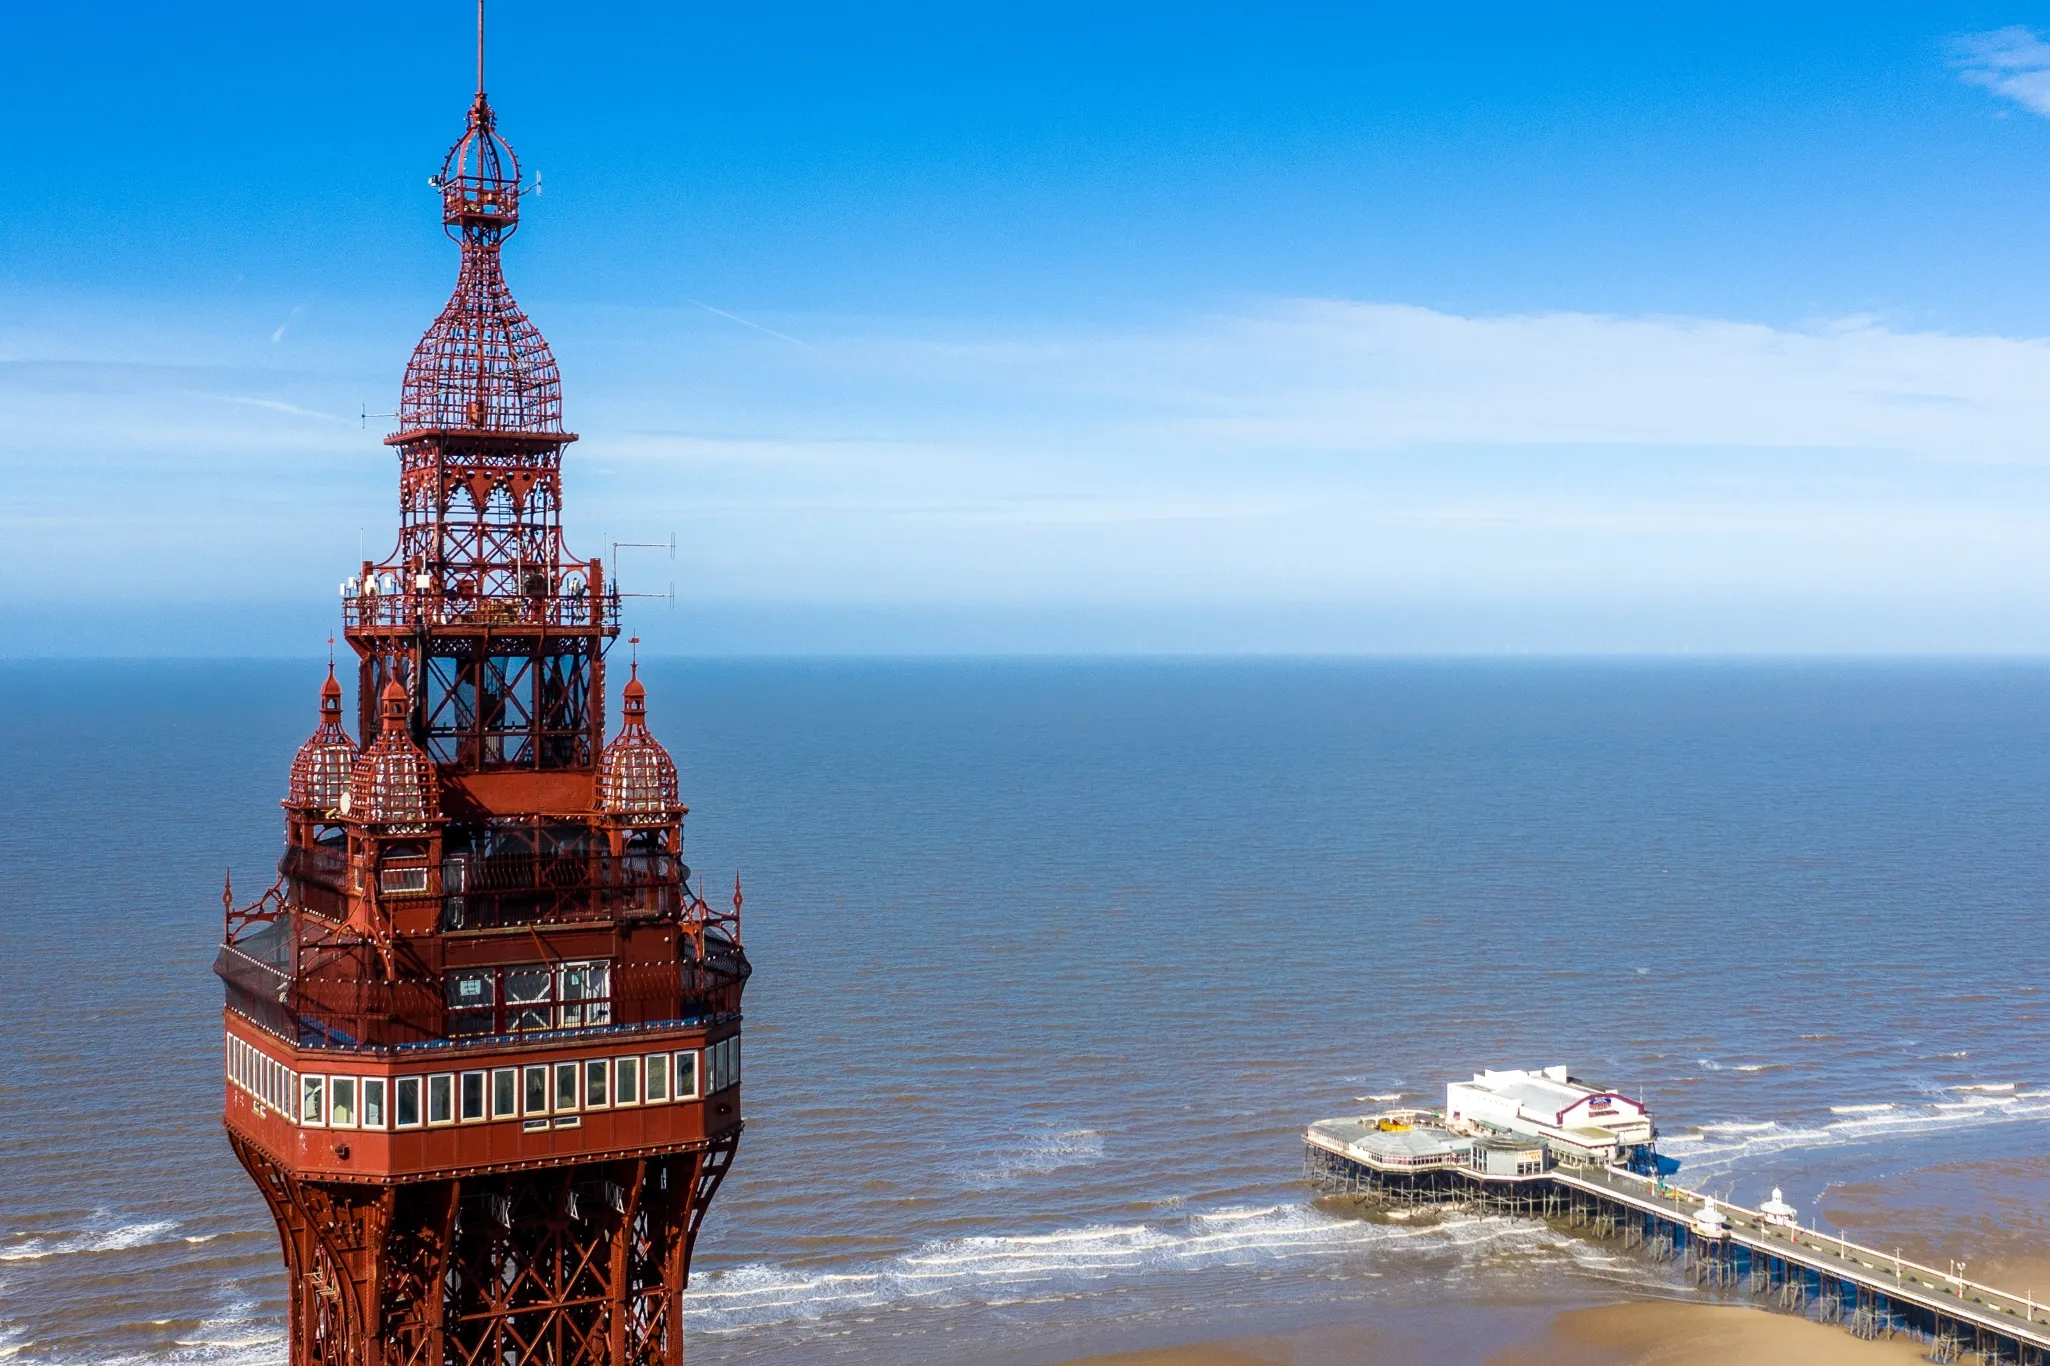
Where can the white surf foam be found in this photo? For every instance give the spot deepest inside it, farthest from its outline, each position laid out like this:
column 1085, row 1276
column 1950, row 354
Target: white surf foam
column 117, row 1239
column 1071, row 1262
column 1714, row 1147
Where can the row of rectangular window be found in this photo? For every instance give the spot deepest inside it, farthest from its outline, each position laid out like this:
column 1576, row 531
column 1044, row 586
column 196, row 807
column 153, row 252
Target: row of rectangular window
column 266, row 1079
column 536, row 1092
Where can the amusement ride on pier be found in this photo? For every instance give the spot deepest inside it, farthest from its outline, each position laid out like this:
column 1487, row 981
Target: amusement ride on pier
column 483, row 1038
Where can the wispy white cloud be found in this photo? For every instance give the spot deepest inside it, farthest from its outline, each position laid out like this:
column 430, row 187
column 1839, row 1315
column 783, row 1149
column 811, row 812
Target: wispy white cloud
column 1318, row 377
column 2012, row 62
column 1296, row 451
column 279, row 406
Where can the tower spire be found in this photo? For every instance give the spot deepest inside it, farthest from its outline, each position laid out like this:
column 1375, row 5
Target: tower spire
column 483, row 892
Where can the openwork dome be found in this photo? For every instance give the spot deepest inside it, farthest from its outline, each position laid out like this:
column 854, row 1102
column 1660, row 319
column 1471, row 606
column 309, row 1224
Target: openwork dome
column 480, row 179
column 636, row 776
column 393, row 782
column 482, row 366
column 321, row 768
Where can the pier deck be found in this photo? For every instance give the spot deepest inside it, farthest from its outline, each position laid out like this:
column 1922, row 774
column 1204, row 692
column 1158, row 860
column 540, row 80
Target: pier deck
column 1871, row 1292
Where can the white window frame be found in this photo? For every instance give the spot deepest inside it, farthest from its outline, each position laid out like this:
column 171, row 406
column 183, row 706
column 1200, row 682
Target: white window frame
column 575, row 1072
column 314, row 1085
column 448, row 1082
column 687, row 1059
column 649, row 1065
column 527, row 1088
column 543, row 1007
column 463, row 1098
column 419, row 1085
column 355, row 1089
column 601, row 1068
column 511, row 1109
column 619, row 1089
column 383, row 1089
column 588, row 1008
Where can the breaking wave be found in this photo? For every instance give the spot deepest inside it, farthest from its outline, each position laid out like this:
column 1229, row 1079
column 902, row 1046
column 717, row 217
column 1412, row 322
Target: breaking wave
column 1715, row 1147
column 1073, row 1262
column 118, row 1239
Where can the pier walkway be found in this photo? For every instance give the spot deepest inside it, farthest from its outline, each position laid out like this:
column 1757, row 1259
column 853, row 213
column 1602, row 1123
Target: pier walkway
column 1871, row 1292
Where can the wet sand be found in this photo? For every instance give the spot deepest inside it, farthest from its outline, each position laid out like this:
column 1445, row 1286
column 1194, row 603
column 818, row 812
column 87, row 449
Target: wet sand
column 1669, row 1333
column 1989, row 1215
column 1639, row 1333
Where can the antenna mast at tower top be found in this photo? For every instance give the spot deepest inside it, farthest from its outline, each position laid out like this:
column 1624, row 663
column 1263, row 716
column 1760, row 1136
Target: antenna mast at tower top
column 480, row 49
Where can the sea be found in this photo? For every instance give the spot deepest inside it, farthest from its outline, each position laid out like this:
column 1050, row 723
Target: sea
column 1054, row 960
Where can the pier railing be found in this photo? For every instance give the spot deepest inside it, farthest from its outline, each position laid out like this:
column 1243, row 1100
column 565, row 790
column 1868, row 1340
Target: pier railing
column 1867, row 1263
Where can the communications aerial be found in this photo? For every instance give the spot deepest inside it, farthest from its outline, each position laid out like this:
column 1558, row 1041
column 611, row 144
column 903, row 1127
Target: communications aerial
column 482, row 1037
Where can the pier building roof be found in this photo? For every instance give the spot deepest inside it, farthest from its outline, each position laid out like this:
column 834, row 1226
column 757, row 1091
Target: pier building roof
column 1549, row 1103
column 1391, row 1141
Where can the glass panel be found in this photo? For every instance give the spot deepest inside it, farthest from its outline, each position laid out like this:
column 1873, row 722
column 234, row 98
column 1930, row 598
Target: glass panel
column 373, row 1102
column 470, row 1001
column 596, row 1092
column 312, row 1091
column 565, row 1086
column 441, row 1095
column 658, row 1077
column 537, row 1090
column 473, row 1095
column 528, row 992
column 408, row 1102
column 505, row 1093
column 626, row 1074
column 585, row 989
column 687, row 1075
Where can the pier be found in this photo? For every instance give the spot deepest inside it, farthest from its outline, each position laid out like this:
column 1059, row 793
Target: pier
column 1771, row 1259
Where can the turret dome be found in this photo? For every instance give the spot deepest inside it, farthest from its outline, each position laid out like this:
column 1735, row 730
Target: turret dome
column 393, row 783
column 320, row 770
column 636, row 776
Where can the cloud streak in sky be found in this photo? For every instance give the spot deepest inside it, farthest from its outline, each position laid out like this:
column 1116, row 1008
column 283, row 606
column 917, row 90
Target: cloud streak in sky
column 1333, row 376
column 2012, row 62
column 1291, row 452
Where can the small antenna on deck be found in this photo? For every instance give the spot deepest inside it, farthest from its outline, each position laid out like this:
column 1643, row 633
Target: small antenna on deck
column 668, row 545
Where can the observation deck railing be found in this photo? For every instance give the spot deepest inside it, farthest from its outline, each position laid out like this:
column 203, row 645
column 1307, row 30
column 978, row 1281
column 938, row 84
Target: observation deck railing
column 332, row 993
column 409, row 608
column 522, row 887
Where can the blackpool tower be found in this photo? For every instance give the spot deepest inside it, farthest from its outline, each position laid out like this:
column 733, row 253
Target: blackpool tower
column 483, row 1038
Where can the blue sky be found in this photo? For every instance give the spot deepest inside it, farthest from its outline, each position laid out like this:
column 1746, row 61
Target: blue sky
column 1064, row 327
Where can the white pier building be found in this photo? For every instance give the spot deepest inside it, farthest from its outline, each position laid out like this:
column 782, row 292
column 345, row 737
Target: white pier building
column 1578, row 1123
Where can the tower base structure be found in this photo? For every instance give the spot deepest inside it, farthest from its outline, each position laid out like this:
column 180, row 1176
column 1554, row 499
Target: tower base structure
column 560, row 1266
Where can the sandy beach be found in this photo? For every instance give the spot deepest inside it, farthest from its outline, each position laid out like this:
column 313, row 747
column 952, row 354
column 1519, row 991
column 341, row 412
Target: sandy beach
column 1639, row 1333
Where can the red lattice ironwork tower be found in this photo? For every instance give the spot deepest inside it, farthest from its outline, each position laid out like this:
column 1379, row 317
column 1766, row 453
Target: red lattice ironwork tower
column 483, row 1040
